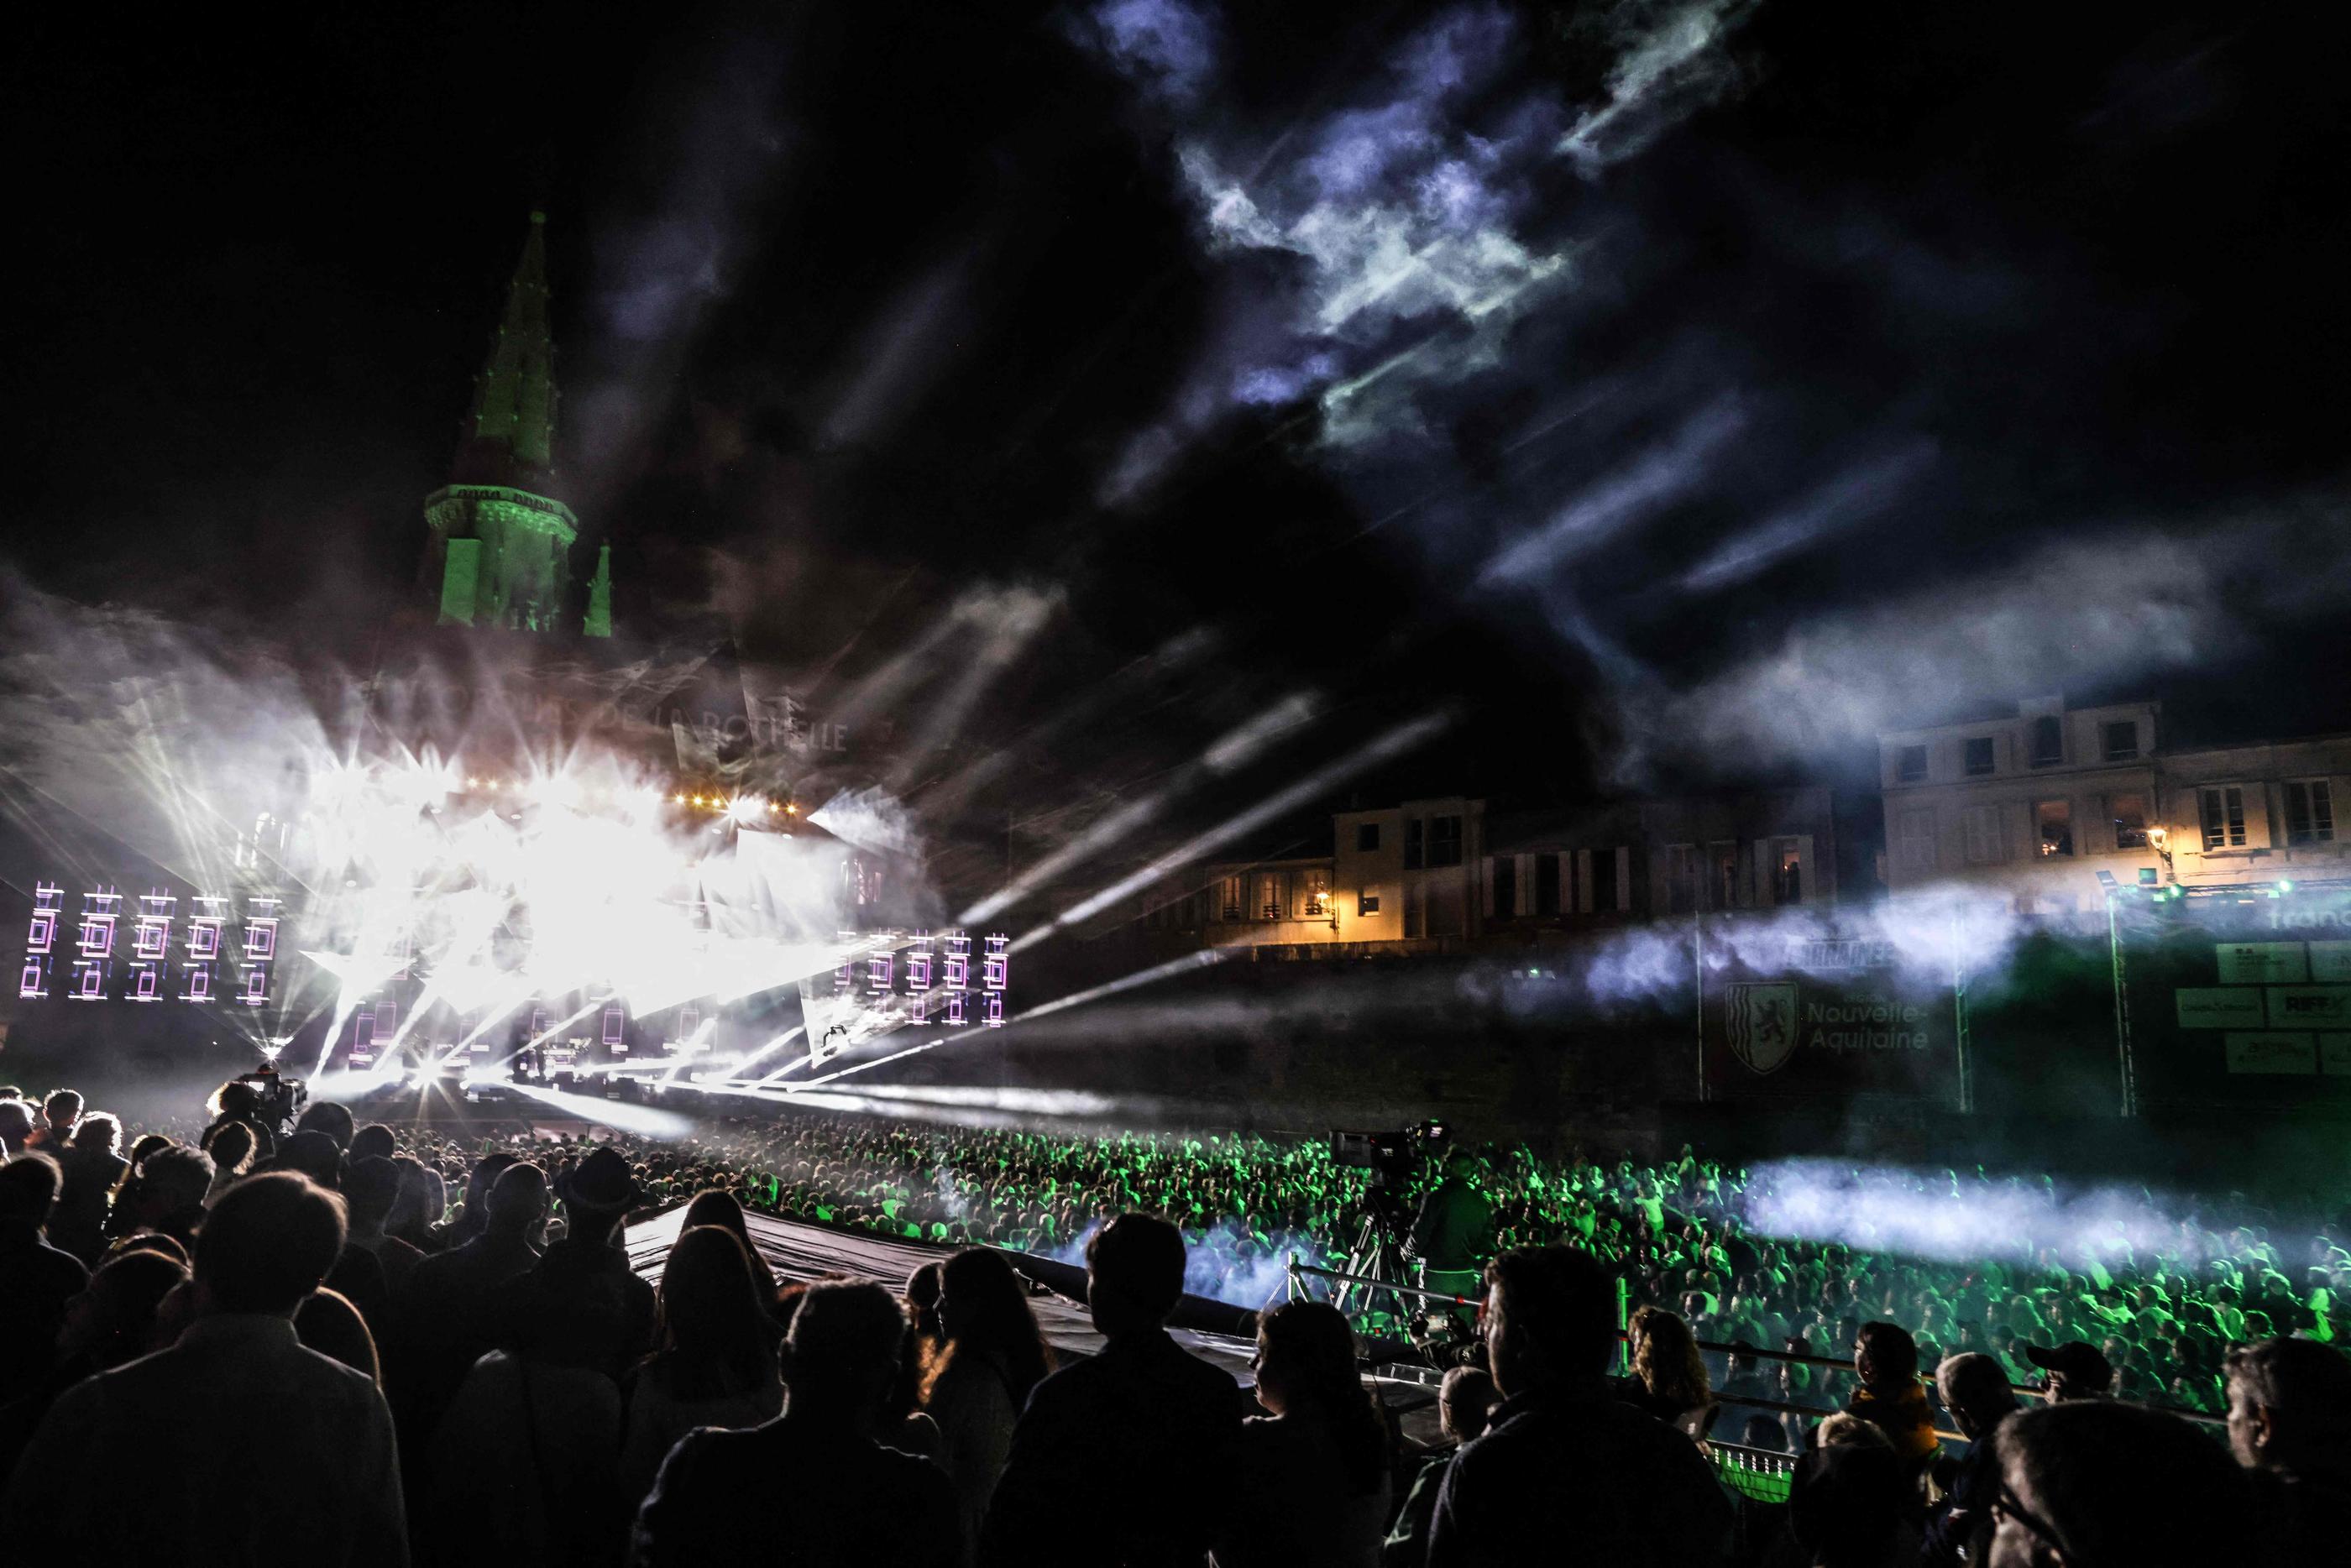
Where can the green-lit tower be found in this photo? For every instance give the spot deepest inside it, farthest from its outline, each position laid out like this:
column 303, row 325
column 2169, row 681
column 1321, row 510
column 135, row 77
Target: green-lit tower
column 500, row 541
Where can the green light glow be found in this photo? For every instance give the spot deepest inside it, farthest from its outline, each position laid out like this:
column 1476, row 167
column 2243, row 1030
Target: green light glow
column 459, row 581
column 505, row 548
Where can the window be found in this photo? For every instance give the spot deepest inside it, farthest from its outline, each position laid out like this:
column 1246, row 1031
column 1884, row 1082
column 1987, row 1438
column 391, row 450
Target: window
column 1909, row 764
column 1681, row 878
column 1604, row 878
column 2048, row 740
column 1366, row 903
column 1444, row 841
column 2119, row 741
column 1787, row 872
column 2309, row 812
column 1547, row 884
column 1506, row 885
column 1980, row 835
column 1978, row 755
column 1272, row 896
column 1914, row 842
column 2222, row 809
column 1412, row 844
column 1314, row 892
column 2055, row 818
column 1367, row 837
column 2129, row 815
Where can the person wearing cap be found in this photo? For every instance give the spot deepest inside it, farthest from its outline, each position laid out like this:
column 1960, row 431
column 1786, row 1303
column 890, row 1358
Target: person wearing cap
column 580, row 1304
column 2077, row 1370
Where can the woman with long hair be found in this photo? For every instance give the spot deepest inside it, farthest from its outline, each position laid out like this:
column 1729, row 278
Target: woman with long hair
column 1311, row 1480
column 716, row 1205
column 1668, row 1379
column 716, row 1366
column 978, row 1379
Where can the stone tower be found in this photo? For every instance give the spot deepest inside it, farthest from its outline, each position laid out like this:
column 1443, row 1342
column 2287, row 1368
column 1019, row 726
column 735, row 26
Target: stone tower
column 499, row 543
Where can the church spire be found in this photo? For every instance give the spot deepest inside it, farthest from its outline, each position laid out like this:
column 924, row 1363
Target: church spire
column 513, row 401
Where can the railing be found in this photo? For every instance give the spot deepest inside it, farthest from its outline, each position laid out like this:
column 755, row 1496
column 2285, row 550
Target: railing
column 1742, row 1401
column 1760, row 1475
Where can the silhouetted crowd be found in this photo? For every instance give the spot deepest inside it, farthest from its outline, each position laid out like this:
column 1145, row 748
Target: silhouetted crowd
column 352, row 1345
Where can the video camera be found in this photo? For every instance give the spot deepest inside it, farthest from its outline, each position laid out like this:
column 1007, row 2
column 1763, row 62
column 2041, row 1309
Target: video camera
column 278, row 1100
column 1389, row 1156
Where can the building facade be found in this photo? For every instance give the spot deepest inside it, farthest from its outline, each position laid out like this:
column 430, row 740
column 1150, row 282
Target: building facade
column 2031, row 808
column 1447, row 875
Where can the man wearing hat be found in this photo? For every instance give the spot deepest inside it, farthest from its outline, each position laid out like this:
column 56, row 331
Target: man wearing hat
column 581, row 1304
column 2077, row 1370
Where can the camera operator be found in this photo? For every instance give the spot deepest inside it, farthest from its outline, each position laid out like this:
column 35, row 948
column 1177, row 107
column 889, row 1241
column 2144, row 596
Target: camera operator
column 238, row 1101
column 1453, row 1233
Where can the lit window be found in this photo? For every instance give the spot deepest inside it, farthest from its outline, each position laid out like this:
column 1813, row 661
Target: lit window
column 1317, row 893
column 1787, row 872
column 1909, row 764
column 2309, row 812
column 2223, row 812
column 2057, row 820
column 1978, row 755
column 2119, row 740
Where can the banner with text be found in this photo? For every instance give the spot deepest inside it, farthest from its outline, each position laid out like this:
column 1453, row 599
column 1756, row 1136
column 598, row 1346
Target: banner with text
column 1831, row 1016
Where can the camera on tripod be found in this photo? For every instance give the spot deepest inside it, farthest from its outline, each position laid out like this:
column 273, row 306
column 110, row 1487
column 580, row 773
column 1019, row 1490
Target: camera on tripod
column 1391, row 1156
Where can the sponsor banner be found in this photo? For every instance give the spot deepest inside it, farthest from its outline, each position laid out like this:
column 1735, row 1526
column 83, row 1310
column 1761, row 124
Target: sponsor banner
column 2219, row 1007
column 2193, row 970
column 1843, row 1019
column 2310, row 1006
column 2271, row 1052
column 2261, row 963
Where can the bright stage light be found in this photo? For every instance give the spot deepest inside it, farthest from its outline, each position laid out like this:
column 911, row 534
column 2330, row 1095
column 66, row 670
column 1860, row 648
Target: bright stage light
column 743, row 809
column 557, row 790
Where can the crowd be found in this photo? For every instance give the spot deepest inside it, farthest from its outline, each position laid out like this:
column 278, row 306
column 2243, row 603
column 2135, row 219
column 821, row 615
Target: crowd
column 2161, row 1316
column 351, row 1344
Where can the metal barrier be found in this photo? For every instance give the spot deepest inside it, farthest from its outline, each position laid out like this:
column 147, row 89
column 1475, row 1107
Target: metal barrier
column 1759, row 1475
column 1751, row 1352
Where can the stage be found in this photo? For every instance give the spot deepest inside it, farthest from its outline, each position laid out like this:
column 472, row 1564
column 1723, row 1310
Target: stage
column 1219, row 1334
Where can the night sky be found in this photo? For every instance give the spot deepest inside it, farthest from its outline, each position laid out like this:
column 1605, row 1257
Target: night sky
column 1676, row 391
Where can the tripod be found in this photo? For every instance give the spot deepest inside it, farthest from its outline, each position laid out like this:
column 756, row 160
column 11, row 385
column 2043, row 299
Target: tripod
column 1377, row 1253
